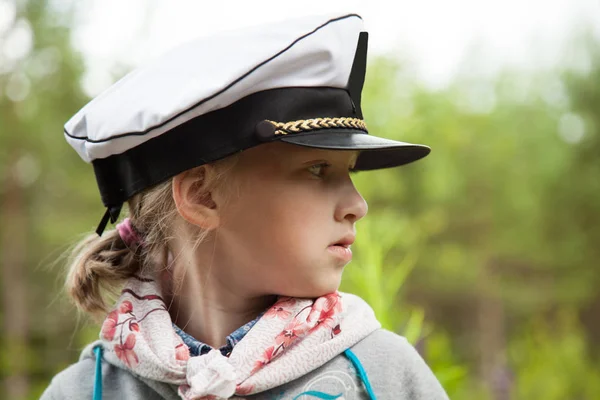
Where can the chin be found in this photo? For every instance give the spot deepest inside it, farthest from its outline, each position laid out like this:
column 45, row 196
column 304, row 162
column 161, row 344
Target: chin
column 317, row 289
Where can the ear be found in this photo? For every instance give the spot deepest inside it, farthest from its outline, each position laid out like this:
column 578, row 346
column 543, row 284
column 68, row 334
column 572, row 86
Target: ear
column 193, row 198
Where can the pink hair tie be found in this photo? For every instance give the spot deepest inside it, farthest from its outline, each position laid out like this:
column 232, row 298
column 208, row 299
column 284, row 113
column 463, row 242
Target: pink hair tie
column 129, row 235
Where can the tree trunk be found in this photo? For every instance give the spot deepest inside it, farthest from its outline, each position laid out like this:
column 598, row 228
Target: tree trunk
column 13, row 246
column 492, row 341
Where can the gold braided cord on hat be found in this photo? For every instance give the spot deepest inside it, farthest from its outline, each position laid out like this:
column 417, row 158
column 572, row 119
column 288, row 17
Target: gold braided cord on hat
column 304, row 125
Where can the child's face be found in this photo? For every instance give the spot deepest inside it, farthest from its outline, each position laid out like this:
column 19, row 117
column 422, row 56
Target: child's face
column 277, row 231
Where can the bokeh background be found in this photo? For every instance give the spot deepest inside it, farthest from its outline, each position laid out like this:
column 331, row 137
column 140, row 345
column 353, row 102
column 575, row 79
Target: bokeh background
column 485, row 255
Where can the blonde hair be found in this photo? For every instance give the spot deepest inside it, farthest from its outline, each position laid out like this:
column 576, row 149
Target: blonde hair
column 101, row 264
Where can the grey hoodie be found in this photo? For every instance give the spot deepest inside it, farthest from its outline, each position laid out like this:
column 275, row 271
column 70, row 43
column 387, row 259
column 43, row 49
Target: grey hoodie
column 393, row 368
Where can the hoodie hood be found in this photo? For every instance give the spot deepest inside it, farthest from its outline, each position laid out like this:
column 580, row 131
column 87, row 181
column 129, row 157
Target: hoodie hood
column 292, row 338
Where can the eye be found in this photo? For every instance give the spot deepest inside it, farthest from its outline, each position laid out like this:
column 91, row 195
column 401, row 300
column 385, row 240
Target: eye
column 318, row 170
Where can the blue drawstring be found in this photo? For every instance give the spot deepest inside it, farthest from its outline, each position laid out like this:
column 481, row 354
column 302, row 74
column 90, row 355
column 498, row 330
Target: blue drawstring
column 98, row 378
column 351, row 356
column 361, row 373
column 318, row 395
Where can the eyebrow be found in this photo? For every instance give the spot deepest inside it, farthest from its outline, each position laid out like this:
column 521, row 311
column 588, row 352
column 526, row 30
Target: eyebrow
column 325, row 159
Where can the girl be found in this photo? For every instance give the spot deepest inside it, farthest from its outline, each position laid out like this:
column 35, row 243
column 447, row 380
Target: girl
column 234, row 156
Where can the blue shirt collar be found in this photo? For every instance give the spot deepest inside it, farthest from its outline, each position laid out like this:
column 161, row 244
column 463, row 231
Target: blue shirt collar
column 198, row 348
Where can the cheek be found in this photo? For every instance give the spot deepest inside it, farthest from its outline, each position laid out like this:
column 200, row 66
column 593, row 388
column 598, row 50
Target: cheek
column 296, row 223
column 280, row 240
column 280, row 211
column 279, row 229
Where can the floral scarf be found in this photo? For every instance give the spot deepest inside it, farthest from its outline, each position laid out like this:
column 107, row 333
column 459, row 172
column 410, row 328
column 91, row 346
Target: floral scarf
column 293, row 337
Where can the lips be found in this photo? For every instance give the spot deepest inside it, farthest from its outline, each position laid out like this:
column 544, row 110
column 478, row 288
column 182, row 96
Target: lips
column 341, row 248
column 346, row 241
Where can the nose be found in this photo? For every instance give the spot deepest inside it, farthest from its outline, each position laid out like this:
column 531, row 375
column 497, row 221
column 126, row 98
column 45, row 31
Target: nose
column 352, row 206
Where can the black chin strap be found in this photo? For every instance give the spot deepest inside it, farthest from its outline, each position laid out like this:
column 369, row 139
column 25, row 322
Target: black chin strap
column 112, row 214
column 357, row 73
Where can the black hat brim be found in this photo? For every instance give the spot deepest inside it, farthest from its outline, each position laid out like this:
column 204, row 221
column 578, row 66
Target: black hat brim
column 375, row 152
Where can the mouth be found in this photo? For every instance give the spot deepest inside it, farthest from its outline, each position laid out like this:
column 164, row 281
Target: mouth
column 341, row 248
column 341, row 244
column 345, row 242
column 342, row 252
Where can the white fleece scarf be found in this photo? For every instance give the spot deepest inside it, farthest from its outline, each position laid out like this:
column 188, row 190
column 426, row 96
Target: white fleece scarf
column 292, row 338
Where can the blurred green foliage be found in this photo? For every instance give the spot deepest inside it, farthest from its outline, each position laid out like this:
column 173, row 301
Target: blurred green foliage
column 484, row 255
column 561, row 359
column 500, row 224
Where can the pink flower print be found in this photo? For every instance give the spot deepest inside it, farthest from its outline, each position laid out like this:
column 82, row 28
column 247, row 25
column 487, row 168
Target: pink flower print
column 292, row 331
column 109, row 325
column 278, row 312
column 327, row 318
column 125, row 352
column 134, row 326
column 182, row 353
column 330, row 302
column 336, row 330
column 266, row 358
column 281, row 308
column 325, row 310
column 242, row 390
column 125, row 307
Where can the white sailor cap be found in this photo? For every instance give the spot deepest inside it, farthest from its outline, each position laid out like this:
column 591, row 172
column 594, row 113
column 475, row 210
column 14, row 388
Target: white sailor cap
column 298, row 81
